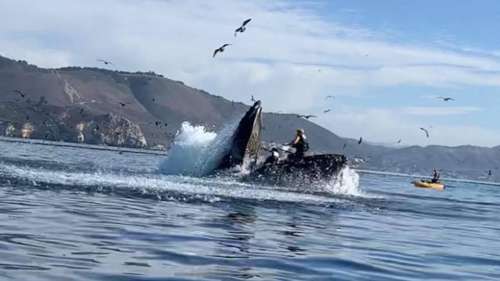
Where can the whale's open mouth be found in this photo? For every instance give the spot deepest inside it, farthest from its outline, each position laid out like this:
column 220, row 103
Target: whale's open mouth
column 245, row 142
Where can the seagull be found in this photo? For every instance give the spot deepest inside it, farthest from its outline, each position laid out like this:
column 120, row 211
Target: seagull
column 426, row 132
column 23, row 95
column 242, row 28
column 306, row 116
column 330, row 97
column 360, row 140
column 446, row 98
column 124, row 104
column 220, row 49
column 326, row 110
column 399, row 141
column 106, row 62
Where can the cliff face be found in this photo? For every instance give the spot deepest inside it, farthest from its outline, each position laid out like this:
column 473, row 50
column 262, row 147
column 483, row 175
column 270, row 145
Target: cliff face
column 63, row 124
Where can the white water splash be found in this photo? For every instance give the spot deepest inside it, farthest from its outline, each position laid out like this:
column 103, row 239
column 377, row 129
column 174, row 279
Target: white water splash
column 196, row 151
column 346, row 183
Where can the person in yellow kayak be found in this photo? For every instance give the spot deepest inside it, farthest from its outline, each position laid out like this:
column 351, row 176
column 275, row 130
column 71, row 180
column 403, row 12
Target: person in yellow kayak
column 435, row 176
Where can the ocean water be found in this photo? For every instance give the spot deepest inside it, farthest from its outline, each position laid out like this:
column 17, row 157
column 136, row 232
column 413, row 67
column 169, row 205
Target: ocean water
column 81, row 214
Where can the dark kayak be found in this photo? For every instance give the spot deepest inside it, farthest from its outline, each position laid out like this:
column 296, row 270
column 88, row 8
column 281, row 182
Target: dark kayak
column 314, row 168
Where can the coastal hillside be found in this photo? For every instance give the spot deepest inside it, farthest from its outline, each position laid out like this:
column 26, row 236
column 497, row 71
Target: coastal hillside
column 141, row 109
column 145, row 110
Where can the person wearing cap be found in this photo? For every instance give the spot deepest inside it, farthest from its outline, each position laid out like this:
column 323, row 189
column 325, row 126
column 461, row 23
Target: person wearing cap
column 300, row 144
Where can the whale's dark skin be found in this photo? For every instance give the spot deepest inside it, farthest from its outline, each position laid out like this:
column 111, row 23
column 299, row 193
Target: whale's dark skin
column 245, row 142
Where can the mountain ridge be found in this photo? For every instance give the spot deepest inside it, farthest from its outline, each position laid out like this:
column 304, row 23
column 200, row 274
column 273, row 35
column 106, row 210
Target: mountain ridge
column 145, row 109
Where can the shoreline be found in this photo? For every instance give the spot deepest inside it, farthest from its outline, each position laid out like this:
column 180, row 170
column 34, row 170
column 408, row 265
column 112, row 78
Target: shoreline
column 164, row 153
column 83, row 145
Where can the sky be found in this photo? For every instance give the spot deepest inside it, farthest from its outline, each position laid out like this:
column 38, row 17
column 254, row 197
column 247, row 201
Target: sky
column 385, row 62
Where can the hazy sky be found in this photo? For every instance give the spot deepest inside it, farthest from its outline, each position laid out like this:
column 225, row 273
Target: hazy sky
column 384, row 61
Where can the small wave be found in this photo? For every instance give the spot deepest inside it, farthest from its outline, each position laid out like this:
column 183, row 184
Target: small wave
column 163, row 187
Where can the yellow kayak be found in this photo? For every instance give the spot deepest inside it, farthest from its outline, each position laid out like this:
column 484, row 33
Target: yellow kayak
column 426, row 184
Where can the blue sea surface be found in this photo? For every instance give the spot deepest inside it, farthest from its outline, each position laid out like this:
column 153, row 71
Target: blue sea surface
column 70, row 213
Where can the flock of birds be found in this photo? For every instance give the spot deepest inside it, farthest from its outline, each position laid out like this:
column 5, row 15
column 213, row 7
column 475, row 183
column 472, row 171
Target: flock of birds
column 241, row 29
column 360, row 141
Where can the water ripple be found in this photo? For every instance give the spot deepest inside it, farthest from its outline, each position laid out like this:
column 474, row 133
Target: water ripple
column 115, row 218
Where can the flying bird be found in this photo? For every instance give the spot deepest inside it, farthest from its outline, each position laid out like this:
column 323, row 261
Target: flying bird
column 399, row 141
column 19, row 92
column 220, row 49
column 326, row 110
column 330, row 97
column 446, row 98
column 360, row 140
column 106, row 62
column 242, row 28
column 426, row 132
column 306, row 116
column 123, row 104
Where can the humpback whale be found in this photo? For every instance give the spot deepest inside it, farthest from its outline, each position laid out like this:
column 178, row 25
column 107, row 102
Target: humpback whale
column 245, row 143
